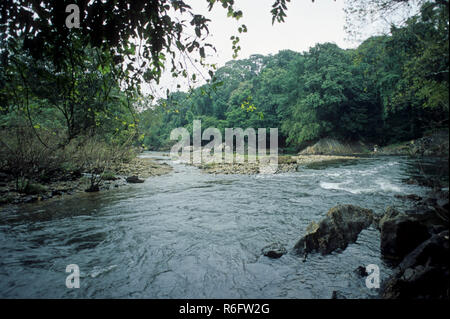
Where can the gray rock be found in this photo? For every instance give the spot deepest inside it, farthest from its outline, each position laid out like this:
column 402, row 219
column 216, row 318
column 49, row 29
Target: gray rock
column 92, row 189
column 134, row 180
column 412, row 197
column 434, row 251
column 334, row 147
column 57, row 192
column 340, row 227
column 423, row 273
column 30, row 199
column 401, row 233
column 361, row 271
column 274, row 250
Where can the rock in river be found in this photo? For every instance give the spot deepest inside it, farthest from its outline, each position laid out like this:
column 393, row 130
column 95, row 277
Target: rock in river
column 361, row 271
column 340, row 227
column 402, row 232
column 134, row 180
column 274, row 250
column 423, row 273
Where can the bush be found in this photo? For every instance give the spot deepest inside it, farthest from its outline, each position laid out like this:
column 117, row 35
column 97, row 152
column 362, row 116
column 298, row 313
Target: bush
column 108, row 176
column 25, row 156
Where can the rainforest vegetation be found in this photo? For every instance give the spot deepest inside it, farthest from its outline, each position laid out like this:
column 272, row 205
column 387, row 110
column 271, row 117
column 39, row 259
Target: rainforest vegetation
column 391, row 88
column 71, row 100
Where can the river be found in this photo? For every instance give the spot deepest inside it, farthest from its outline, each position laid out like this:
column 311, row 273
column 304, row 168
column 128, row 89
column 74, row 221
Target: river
column 193, row 235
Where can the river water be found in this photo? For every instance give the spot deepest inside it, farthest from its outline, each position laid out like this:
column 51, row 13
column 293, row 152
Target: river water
column 193, row 235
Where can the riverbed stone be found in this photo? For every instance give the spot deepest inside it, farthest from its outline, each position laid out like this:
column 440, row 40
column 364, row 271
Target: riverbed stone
column 340, row 227
column 285, row 164
column 423, row 273
column 402, row 232
column 134, row 180
column 30, row 199
column 57, row 192
column 92, row 189
column 274, row 250
column 361, row 271
column 412, row 197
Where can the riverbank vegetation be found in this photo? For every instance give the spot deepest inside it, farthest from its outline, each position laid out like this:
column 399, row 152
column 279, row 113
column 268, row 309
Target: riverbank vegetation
column 391, row 88
column 69, row 96
column 78, row 108
column 59, row 121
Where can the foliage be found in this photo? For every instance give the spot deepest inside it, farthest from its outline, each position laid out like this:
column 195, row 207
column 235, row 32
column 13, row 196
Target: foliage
column 69, row 99
column 391, row 88
column 143, row 37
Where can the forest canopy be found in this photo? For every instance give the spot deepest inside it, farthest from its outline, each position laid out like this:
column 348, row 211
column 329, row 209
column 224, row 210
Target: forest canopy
column 391, row 88
column 71, row 99
column 69, row 96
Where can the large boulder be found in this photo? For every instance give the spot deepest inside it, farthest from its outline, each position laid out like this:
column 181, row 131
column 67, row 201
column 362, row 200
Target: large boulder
column 329, row 146
column 340, row 227
column 423, row 273
column 401, row 232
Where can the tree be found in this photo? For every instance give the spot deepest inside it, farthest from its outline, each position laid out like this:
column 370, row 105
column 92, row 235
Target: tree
column 81, row 96
column 335, row 99
column 146, row 28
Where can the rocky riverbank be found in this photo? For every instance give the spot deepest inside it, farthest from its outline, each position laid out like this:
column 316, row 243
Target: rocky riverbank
column 414, row 242
column 330, row 146
column 286, row 163
column 142, row 167
column 433, row 144
column 135, row 171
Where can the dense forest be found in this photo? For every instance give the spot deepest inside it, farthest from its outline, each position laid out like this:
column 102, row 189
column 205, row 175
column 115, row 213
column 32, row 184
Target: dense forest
column 71, row 100
column 391, row 88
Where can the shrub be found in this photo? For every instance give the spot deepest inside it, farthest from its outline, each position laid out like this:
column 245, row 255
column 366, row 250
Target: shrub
column 27, row 156
column 108, row 176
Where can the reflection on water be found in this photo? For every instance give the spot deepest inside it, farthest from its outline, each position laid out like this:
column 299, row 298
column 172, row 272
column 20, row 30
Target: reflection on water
column 194, row 235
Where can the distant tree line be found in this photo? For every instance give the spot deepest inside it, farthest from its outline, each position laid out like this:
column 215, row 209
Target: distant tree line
column 391, row 88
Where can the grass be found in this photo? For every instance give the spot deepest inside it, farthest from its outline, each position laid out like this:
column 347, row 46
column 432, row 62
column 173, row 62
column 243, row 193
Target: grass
column 109, row 176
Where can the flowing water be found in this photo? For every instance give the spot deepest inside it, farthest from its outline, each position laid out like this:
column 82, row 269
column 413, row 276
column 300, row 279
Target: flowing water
column 193, row 235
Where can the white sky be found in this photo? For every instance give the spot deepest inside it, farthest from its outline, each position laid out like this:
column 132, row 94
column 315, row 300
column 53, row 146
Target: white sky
column 306, row 24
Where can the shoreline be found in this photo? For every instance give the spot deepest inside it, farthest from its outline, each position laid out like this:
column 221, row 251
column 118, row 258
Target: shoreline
column 286, row 164
column 143, row 168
